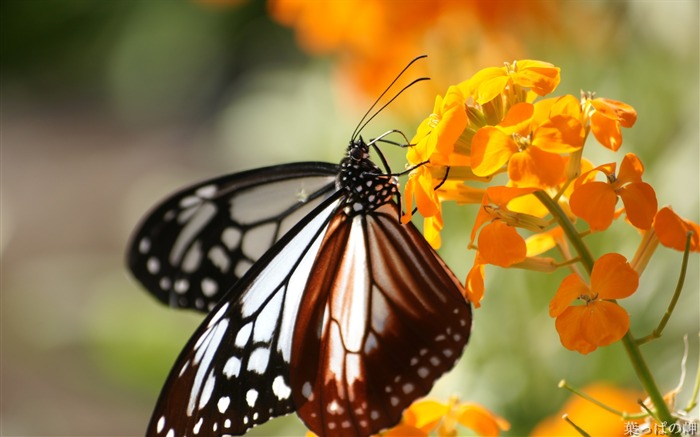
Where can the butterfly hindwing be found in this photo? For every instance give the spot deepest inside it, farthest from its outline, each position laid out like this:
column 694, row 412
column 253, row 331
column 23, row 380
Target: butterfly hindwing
column 389, row 319
column 198, row 242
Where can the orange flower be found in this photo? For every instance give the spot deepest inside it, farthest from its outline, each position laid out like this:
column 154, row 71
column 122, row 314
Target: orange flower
column 672, row 230
column 437, row 134
column 499, row 243
column 599, row 321
column 606, row 119
column 589, row 416
column 540, row 77
column 595, row 201
column 425, row 416
column 529, row 140
column 432, row 146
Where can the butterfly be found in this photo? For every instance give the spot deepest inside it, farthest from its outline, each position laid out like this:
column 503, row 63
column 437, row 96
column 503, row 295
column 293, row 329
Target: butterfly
column 318, row 299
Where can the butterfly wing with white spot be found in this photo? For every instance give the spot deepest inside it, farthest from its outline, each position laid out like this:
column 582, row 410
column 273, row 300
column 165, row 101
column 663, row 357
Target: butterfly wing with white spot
column 198, row 242
column 389, row 318
column 234, row 372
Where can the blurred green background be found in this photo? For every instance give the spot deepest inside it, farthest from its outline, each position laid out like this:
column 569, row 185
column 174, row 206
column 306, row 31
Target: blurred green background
column 107, row 106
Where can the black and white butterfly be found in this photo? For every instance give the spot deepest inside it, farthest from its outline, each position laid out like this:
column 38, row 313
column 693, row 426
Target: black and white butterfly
column 321, row 301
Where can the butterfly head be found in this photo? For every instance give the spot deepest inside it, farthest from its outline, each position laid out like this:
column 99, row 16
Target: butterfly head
column 358, row 150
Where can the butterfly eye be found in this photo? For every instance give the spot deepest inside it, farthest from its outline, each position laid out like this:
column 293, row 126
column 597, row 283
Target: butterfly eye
column 356, row 153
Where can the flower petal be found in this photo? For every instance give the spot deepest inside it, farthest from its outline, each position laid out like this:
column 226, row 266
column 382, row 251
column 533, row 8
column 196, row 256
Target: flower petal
column 595, row 203
column 405, row 431
column 501, row 245
column 672, row 230
column 426, row 414
column 569, row 327
column 491, row 148
column 535, row 168
column 613, row 277
column 541, row 77
column 481, row 420
column 606, row 131
column 640, row 204
column 631, row 169
column 486, row 84
column 474, row 287
column 604, row 323
column 569, row 290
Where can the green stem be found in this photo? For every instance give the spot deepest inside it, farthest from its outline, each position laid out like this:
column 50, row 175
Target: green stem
column 647, row 379
column 568, row 228
column 656, row 333
column 635, row 355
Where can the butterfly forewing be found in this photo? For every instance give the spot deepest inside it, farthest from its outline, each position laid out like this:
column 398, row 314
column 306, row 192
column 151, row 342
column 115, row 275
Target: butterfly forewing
column 198, row 242
column 388, row 319
column 234, row 372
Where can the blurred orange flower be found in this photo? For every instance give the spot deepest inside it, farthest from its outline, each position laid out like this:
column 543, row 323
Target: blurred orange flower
column 426, row 416
column 375, row 39
column 590, row 417
column 595, row 201
column 598, row 322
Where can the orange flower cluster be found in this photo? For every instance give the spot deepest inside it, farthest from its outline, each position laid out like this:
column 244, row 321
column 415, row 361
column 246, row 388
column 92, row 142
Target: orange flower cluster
column 495, row 127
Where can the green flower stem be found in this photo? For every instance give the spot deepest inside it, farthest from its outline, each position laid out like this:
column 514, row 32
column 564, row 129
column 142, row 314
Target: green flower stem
column 635, row 355
column 656, row 333
column 568, row 228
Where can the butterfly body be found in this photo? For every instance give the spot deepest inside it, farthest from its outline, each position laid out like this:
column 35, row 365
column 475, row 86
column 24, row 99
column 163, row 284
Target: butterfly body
column 347, row 319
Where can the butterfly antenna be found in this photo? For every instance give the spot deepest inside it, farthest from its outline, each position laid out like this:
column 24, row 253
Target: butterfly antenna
column 363, row 121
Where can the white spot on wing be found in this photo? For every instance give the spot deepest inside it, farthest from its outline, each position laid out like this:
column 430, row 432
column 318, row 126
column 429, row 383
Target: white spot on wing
column 212, row 345
column 257, row 362
column 209, row 287
column 153, row 265
column 267, row 320
column 207, row 191
column 207, row 390
column 219, row 258
column 160, row 425
column 165, row 283
column 198, row 426
column 181, row 286
column 193, row 257
column 280, row 388
column 144, row 245
column 251, row 397
column 196, row 223
column 306, row 390
column 243, row 335
column 232, row 367
column 223, row 404
column 231, row 237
